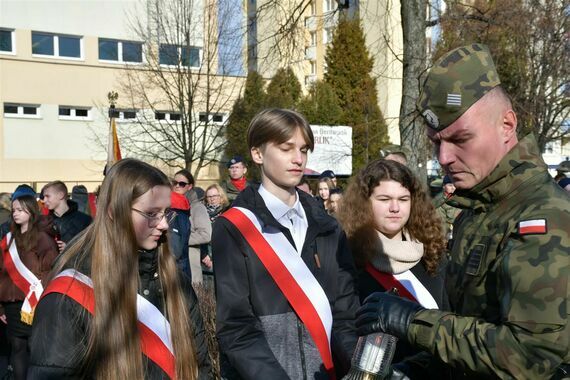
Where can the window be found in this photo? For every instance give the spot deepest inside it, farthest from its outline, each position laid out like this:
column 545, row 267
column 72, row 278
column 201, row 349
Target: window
column 56, row 45
column 120, row 51
column 7, row 41
column 74, row 113
column 329, row 5
column 215, row 118
column 173, row 55
column 327, row 35
column 167, row 116
column 313, row 67
column 313, row 7
column 127, row 115
column 21, row 110
column 313, row 38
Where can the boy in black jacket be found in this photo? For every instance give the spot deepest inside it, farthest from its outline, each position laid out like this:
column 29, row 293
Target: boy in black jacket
column 283, row 271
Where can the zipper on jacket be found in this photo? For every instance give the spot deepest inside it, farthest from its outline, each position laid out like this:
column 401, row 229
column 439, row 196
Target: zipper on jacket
column 301, row 351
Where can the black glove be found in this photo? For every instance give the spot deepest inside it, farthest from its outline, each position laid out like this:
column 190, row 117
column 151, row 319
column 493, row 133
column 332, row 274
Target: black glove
column 386, row 312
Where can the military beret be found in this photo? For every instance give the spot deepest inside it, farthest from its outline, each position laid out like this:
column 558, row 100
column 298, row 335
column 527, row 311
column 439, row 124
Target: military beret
column 327, row 174
column 455, row 82
column 235, row 160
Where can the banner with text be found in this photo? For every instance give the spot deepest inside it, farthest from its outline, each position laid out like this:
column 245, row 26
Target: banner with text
column 333, row 150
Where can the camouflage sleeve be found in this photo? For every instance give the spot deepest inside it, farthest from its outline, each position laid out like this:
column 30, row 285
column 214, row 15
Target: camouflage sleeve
column 532, row 337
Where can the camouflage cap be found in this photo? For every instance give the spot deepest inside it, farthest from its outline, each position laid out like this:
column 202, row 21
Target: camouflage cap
column 455, row 82
column 564, row 167
column 393, row 148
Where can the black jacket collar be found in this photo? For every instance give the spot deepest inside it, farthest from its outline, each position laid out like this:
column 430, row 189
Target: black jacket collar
column 319, row 221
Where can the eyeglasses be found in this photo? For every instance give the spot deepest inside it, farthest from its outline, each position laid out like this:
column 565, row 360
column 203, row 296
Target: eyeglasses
column 155, row 218
column 179, row 183
column 212, row 196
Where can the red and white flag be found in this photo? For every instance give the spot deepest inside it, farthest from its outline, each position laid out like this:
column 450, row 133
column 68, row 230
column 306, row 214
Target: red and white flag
column 536, row 226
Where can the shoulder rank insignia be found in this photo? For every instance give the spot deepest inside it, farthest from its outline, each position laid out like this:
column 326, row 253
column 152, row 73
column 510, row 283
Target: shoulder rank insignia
column 535, row 226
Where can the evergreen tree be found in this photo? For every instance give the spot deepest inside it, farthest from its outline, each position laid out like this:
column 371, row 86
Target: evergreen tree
column 349, row 75
column 244, row 109
column 321, row 106
column 284, row 90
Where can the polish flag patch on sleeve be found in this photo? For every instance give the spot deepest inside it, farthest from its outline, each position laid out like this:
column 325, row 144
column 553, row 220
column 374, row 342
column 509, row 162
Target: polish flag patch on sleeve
column 535, row 226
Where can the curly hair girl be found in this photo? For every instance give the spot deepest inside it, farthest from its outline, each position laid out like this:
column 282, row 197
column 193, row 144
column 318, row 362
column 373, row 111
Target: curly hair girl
column 358, row 221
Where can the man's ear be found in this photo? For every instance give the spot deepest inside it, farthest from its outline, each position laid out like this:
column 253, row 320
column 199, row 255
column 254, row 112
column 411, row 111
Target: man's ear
column 509, row 125
column 256, row 155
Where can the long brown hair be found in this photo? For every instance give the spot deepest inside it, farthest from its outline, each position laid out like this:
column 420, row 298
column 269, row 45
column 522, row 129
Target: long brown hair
column 357, row 218
column 27, row 241
column 113, row 350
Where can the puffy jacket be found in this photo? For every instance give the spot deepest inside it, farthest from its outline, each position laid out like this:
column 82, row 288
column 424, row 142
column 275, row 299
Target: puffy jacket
column 60, row 329
column 71, row 223
column 257, row 329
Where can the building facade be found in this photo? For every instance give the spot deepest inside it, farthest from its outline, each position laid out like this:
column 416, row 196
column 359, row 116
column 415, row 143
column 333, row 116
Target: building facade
column 58, row 62
column 303, row 47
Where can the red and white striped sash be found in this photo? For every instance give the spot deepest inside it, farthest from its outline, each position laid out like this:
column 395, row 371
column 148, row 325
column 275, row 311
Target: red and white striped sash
column 154, row 329
column 22, row 277
column 292, row 276
column 408, row 285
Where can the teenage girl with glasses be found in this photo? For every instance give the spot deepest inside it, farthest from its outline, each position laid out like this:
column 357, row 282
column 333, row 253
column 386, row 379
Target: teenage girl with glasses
column 93, row 320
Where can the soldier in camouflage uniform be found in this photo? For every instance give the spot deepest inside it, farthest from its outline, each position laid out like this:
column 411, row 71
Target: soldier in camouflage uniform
column 508, row 274
column 396, row 153
column 446, row 211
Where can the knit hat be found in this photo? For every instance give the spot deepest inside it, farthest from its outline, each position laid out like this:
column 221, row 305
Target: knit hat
column 22, row 190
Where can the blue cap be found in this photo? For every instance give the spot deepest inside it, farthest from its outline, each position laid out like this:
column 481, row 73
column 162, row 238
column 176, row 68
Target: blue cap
column 234, row 160
column 22, row 190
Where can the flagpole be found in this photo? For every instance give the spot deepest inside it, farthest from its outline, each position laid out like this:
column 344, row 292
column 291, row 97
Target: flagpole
column 113, row 151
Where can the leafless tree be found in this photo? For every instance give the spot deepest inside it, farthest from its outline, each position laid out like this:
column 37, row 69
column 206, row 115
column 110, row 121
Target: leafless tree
column 181, row 97
column 530, row 43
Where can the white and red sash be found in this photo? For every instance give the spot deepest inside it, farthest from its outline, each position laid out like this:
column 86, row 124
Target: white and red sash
column 407, row 284
column 22, row 277
column 292, row 276
column 154, row 329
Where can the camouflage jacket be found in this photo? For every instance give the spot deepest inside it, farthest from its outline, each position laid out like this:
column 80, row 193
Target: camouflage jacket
column 446, row 211
column 508, row 287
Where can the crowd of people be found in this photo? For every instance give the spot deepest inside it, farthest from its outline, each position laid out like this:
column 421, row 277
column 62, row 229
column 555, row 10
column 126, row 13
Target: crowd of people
column 105, row 288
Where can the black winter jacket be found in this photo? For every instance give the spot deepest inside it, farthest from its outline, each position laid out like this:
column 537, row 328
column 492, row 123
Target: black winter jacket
column 60, row 328
column 257, row 329
column 71, row 223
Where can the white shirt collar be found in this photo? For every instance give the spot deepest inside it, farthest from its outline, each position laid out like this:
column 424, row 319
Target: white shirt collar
column 278, row 208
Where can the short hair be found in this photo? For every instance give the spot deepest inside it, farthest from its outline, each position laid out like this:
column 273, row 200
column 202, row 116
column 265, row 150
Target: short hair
column 186, row 174
column 223, row 196
column 5, row 202
column 277, row 125
column 335, row 191
column 58, row 186
column 303, row 181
